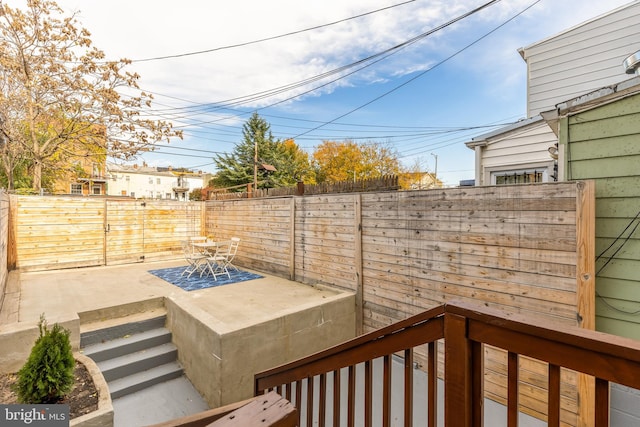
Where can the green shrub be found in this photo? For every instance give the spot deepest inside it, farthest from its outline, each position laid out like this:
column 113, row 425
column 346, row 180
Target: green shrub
column 47, row 376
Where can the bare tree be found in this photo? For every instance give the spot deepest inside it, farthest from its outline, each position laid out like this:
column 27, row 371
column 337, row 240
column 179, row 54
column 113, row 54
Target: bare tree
column 58, row 93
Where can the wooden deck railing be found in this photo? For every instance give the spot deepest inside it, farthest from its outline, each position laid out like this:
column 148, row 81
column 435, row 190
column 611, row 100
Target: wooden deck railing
column 315, row 385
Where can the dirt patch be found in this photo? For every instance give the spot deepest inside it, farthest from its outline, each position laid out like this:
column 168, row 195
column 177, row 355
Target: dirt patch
column 82, row 399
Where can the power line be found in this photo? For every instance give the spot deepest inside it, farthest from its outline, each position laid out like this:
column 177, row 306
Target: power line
column 206, row 108
column 436, row 65
column 368, row 61
column 612, row 257
column 200, row 52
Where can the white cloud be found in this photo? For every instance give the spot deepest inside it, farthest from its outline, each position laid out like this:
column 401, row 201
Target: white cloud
column 139, row 29
column 145, row 29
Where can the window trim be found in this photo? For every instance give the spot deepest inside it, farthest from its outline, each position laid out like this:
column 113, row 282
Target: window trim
column 546, row 168
column 77, row 185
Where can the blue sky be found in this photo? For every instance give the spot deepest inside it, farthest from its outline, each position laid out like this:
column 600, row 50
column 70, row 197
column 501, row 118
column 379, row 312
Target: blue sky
column 424, row 101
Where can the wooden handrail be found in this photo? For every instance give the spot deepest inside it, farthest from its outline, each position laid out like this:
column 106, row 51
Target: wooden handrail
column 269, row 410
column 466, row 329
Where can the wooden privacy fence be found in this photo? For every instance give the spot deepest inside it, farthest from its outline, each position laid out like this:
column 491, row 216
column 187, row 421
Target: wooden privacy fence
column 65, row 232
column 527, row 249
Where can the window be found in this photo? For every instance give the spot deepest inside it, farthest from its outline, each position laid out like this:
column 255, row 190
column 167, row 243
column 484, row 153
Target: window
column 76, row 188
column 97, row 189
column 519, row 176
column 158, row 181
column 127, row 178
column 150, row 180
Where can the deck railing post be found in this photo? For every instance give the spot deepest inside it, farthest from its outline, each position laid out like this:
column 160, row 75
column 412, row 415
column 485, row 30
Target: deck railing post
column 457, row 372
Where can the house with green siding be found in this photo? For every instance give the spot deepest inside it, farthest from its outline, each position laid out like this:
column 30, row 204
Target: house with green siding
column 599, row 139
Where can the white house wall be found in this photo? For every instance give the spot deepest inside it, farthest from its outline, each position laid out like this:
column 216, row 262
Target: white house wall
column 522, row 149
column 145, row 185
column 581, row 59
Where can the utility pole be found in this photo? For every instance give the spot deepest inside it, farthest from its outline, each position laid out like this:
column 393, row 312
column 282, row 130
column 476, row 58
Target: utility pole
column 435, row 174
column 255, row 166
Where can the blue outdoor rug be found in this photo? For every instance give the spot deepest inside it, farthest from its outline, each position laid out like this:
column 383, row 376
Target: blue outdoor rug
column 195, row 282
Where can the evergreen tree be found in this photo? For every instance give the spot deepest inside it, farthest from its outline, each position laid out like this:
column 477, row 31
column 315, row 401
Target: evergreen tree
column 290, row 163
column 237, row 168
column 47, row 375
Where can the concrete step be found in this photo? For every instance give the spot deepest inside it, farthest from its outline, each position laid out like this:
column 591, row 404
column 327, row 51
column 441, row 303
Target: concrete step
column 141, row 380
column 132, row 363
column 133, row 356
column 96, row 334
column 127, row 344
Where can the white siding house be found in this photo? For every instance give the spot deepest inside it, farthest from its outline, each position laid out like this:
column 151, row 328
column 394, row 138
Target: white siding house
column 581, row 59
column 516, row 154
column 144, row 182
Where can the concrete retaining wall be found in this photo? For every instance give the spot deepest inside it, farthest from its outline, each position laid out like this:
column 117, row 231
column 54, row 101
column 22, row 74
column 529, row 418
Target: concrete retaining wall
column 221, row 364
column 17, row 340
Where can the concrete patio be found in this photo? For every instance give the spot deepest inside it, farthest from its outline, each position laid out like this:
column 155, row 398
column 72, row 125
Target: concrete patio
column 57, row 293
column 305, row 317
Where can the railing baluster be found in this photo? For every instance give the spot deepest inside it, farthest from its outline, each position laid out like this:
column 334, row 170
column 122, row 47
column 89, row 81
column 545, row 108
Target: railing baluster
column 602, row 403
column 477, row 387
column 322, row 404
column 310, row 402
column 299, row 399
column 368, row 394
column 336, row 398
column 408, row 387
column 351, row 392
column 432, row 383
column 386, row 392
column 513, row 404
column 554, row 396
column 288, row 396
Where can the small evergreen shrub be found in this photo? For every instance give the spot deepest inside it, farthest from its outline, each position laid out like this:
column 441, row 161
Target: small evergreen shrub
column 47, row 376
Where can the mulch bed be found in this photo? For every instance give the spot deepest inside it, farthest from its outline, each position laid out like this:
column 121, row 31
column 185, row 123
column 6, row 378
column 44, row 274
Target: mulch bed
column 82, row 399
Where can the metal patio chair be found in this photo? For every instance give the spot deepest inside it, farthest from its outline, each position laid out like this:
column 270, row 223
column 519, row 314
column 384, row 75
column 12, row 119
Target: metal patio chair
column 196, row 261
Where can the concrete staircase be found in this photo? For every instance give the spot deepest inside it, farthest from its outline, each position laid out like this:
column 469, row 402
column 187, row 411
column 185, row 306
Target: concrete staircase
column 133, row 356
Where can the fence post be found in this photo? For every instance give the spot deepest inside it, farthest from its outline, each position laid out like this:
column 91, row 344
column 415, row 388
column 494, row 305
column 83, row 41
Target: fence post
column 300, row 189
column 12, row 244
column 457, row 372
column 357, row 215
column 292, row 240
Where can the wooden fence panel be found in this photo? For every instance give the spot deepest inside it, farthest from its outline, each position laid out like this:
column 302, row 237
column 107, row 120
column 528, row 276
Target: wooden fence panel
column 325, row 240
column 514, row 248
column 263, row 226
column 166, row 223
column 59, row 232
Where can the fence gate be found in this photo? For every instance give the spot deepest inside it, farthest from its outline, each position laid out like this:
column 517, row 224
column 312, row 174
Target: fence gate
column 124, row 231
